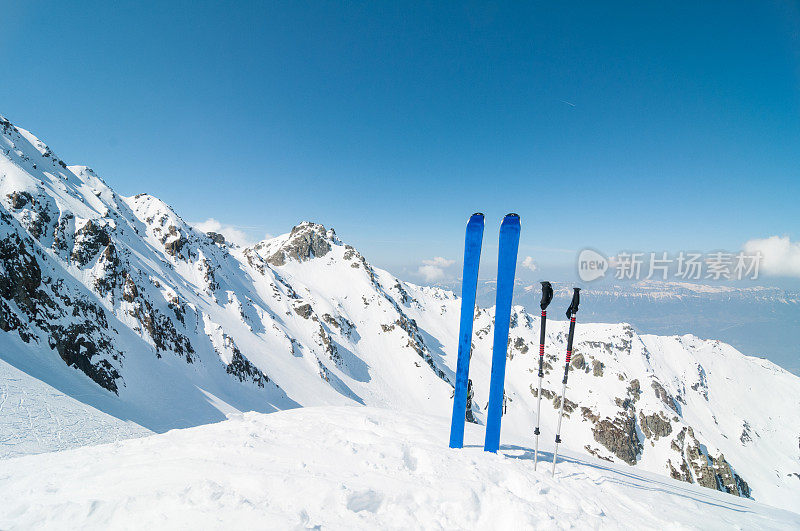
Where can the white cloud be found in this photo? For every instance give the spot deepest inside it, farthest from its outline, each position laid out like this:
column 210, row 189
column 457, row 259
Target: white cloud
column 230, row 232
column 438, row 261
column 434, row 269
column 430, row 273
column 779, row 255
column 530, row 263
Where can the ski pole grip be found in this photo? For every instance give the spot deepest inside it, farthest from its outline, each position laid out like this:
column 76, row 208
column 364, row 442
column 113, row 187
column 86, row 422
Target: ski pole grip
column 576, row 300
column 547, row 295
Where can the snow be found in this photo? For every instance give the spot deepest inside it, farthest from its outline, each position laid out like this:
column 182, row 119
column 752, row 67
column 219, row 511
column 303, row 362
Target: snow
column 334, row 331
column 38, row 418
column 349, row 468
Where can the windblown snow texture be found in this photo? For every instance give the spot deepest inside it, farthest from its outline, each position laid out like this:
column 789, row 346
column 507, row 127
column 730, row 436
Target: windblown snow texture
column 472, row 258
column 506, row 267
column 349, row 468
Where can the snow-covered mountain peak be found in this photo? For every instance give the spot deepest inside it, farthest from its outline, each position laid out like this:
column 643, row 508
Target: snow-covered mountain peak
column 120, row 303
column 154, row 211
column 305, row 241
column 40, row 146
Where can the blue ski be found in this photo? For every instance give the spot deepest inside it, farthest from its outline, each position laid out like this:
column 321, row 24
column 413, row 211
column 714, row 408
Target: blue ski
column 469, row 284
column 506, row 267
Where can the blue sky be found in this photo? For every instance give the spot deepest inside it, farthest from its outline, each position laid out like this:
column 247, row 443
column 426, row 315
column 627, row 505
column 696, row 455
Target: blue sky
column 664, row 128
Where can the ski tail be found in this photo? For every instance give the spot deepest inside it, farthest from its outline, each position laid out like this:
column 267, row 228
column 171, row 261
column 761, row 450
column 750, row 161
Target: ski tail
column 469, row 286
column 506, row 268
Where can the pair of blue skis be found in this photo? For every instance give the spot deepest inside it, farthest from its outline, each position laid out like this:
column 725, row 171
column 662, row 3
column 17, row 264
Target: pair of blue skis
column 506, row 268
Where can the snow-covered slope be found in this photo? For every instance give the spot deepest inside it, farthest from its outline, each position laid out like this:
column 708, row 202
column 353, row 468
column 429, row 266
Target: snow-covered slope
column 119, row 304
column 36, row 417
column 349, row 468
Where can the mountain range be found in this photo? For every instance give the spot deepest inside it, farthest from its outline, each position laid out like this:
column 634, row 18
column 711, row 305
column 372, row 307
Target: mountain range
column 758, row 320
column 120, row 319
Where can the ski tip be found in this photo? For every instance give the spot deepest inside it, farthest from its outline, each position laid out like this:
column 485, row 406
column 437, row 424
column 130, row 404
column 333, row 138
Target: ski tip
column 476, row 220
column 511, row 221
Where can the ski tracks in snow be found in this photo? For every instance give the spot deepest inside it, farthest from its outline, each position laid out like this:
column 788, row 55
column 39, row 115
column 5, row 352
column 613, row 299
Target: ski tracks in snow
column 36, row 418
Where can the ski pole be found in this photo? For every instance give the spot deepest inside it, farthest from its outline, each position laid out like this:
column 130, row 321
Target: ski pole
column 571, row 311
column 547, row 296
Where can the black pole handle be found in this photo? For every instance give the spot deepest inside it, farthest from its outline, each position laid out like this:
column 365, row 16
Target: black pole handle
column 547, row 294
column 576, row 300
column 571, row 311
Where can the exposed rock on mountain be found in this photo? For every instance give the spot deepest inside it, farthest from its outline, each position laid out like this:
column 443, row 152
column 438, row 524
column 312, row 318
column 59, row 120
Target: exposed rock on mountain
column 306, row 241
column 176, row 327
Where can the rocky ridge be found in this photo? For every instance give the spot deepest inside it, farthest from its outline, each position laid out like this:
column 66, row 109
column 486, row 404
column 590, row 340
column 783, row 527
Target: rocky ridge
column 122, row 290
